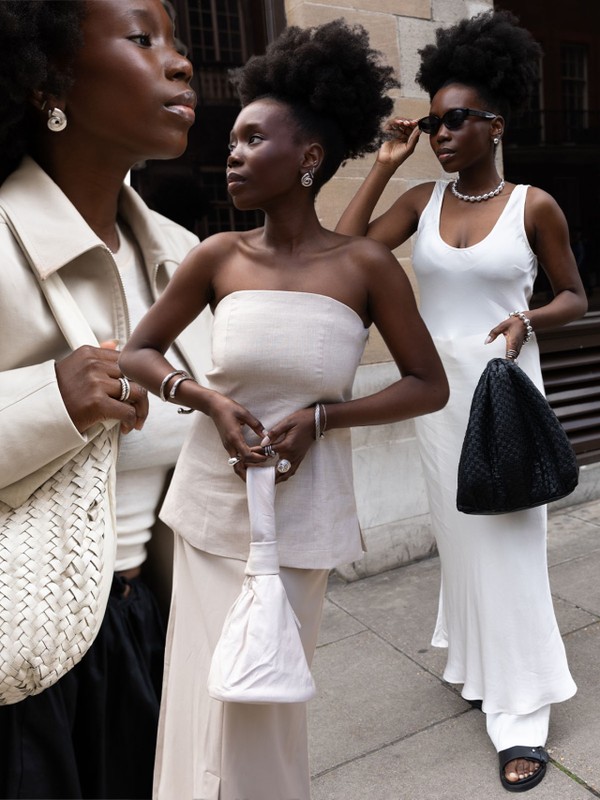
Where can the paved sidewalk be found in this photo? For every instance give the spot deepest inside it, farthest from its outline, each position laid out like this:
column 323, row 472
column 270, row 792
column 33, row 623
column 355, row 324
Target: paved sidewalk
column 384, row 726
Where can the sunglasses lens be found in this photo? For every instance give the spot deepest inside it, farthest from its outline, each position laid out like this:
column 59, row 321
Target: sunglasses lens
column 454, row 118
column 429, row 124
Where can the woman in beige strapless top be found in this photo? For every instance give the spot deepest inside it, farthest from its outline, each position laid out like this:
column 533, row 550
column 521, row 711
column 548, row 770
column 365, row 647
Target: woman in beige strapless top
column 292, row 306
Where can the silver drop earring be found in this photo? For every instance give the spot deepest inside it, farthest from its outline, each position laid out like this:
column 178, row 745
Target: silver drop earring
column 307, row 179
column 57, row 120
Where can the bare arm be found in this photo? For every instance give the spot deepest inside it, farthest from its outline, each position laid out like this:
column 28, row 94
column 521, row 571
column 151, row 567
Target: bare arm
column 187, row 294
column 400, row 221
column 549, row 235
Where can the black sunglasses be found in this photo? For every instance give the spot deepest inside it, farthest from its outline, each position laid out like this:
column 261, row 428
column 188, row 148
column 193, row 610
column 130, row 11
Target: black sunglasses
column 452, row 119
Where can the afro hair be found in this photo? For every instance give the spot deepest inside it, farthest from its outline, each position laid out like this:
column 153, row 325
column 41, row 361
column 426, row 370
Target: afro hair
column 38, row 41
column 489, row 52
column 334, row 83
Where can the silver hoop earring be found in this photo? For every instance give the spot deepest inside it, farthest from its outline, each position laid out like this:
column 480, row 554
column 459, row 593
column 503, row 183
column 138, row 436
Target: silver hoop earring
column 308, row 178
column 57, row 120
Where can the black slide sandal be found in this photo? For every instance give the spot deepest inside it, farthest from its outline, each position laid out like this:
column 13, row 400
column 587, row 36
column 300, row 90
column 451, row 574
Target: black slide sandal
column 529, row 754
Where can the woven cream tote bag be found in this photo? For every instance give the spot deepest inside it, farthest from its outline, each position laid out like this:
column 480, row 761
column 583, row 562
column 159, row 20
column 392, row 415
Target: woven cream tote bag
column 57, row 551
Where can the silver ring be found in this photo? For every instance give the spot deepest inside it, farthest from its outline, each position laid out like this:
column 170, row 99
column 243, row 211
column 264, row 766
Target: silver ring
column 125, row 389
column 283, row 465
column 269, row 451
column 233, row 460
column 512, row 354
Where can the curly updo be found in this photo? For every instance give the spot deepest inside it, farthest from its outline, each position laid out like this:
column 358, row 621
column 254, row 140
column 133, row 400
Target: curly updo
column 333, row 82
column 489, row 52
column 38, row 41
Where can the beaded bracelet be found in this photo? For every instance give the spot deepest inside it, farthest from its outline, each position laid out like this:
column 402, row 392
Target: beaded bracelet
column 526, row 322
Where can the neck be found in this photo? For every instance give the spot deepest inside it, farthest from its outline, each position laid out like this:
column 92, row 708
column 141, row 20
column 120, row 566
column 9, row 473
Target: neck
column 291, row 230
column 92, row 187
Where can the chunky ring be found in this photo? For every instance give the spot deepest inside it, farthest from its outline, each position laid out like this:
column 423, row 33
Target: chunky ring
column 125, row 389
column 283, row 465
column 512, row 354
column 234, row 460
column 269, row 451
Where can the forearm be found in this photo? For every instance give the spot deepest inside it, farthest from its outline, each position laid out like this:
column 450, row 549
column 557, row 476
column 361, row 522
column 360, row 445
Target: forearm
column 153, row 371
column 407, row 398
column 35, row 426
column 355, row 219
column 567, row 306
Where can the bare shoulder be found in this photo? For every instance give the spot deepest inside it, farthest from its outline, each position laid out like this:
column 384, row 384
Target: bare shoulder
column 411, row 204
column 219, row 244
column 539, row 202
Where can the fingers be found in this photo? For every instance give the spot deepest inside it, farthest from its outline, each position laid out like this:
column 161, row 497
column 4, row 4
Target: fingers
column 402, row 128
column 513, row 335
column 94, row 389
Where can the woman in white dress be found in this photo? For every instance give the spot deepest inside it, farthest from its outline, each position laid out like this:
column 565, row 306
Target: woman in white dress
column 478, row 243
column 292, row 305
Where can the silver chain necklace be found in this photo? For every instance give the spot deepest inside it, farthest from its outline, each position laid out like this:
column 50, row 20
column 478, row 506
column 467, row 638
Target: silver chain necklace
column 475, row 198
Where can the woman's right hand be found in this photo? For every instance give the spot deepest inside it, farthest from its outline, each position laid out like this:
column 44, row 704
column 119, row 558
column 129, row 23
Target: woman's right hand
column 404, row 135
column 88, row 380
column 230, row 419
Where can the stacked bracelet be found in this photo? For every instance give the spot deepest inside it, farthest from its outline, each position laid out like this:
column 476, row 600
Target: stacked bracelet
column 526, row 322
column 183, row 376
column 176, row 385
column 320, row 421
column 165, row 381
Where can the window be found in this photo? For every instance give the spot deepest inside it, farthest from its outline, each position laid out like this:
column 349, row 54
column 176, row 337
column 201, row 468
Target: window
column 574, row 82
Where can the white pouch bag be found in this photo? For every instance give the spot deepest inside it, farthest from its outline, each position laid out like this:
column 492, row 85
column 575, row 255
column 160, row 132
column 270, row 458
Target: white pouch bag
column 259, row 657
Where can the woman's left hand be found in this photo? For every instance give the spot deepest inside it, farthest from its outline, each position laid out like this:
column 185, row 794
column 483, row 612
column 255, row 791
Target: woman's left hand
column 514, row 331
column 291, row 439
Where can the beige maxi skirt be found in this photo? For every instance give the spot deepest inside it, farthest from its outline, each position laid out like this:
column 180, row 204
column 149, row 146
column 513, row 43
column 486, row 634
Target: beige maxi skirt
column 209, row 750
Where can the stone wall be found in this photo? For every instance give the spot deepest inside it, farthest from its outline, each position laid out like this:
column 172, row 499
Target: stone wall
column 390, row 489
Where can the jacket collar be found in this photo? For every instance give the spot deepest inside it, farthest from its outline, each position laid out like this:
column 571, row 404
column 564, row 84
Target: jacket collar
column 54, row 233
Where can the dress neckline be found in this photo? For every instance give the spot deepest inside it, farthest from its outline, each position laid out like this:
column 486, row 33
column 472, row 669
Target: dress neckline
column 290, row 293
column 444, row 184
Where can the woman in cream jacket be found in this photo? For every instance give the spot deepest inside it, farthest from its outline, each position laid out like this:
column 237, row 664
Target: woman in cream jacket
column 105, row 88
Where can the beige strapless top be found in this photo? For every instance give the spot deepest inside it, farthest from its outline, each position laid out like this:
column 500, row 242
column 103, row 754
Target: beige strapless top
column 275, row 352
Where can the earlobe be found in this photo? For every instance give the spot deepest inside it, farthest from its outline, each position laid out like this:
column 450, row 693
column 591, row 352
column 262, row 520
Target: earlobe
column 313, row 158
column 38, row 100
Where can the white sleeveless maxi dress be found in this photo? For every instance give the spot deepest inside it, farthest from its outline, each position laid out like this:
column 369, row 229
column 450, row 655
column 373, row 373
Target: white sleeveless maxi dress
column 495, row 610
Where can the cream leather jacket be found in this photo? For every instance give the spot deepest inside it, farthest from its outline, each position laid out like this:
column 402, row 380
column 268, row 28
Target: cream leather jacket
column 41, row 230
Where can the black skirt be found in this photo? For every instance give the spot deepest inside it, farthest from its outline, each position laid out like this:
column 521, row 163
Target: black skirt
column 93, row 734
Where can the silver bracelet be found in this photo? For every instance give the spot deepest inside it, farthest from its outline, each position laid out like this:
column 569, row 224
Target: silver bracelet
column 319, row 431
column 173, row 391
column 526, row 321
column 324, row 425
column 165, row 381
column 176, row 383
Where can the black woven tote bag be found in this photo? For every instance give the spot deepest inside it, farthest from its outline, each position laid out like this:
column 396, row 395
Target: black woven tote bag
column 516, row 454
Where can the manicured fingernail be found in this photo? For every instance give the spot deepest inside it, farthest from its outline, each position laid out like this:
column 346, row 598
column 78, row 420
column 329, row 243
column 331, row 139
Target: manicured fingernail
column 488, row 340
column 265, row 441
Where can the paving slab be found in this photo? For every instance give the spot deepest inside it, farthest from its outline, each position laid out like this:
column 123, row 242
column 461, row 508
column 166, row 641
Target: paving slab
column 578, row 582
column 450, row 761
column 571, row 535
column 575, row 725
column 401, row 607
column 384, row 724
column 370, row 695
